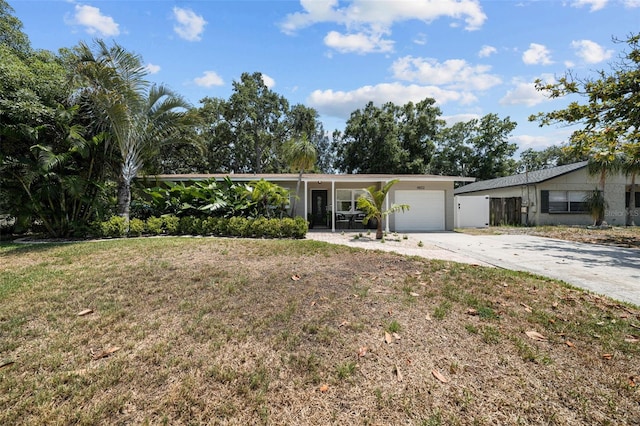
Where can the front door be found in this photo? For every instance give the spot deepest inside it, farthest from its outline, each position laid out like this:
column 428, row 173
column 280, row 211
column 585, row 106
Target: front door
column 319, row 207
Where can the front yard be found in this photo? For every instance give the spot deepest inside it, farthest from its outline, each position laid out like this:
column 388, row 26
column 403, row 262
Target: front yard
column 179, row 330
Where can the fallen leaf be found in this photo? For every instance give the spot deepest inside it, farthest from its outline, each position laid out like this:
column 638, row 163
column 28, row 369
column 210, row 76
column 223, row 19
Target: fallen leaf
column 570, row 344
column 343, row 323
column 362, row 351
column 472, row 311
column 414, row 294
column 313, row 303
column 295, row 277
column 635, row 326
column 632, row 339
column 4, row 364
column 396, row 336
column 85, row 312
column 527, row 307
column 398, row 373
column 428, row 317
column 536, row 336
column 106, row 352
column 607, row 356
column 387, row 338
column 324, row 388
column 390, row 312
column 632, row 381
column 439, row 376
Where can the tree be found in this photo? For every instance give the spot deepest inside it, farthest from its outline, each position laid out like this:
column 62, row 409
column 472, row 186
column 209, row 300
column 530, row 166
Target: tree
column 453, row 152
column 389, row 139
column 301, row 155
column 492, row 152
column 139, row 117
column 553, row 156
column 255, row 116
column 372, row 204
column 11, row 34
column 610, row 118
column 478, row 148
column 304, row 120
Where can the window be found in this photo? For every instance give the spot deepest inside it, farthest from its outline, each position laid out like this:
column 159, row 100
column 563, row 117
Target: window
column 563, row 202
column 347, row 199
column 628, row 199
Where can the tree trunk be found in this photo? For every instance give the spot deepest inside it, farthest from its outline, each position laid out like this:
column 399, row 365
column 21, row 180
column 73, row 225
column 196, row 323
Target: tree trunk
column 379, row 229
column 632, row 202
column 295, row 196
column 124, row 199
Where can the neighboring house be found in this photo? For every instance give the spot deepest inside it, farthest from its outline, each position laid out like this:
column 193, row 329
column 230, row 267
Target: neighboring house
column 329, row 201
column 553, row 196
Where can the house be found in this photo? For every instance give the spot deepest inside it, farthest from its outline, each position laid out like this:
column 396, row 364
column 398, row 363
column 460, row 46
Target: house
column 553, row 196
column 329, row 201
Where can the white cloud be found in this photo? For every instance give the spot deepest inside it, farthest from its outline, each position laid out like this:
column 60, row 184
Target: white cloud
column 459, row 118
column 342, row 103
column 537, row 54
column 366, row 21
column 358, row 43
column 152, row 68
column 455, row 73
column 268, row 81
column 487, row 51
column 594, row 4
column 209, row 79
column 190, row 25
column 383, row 13
column 524, row 93
column 94, row 21
column 632, row 3
column 591, row 52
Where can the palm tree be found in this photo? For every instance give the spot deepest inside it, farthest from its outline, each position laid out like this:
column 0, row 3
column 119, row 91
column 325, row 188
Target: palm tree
column 631, row 167
column 139, row 117
column 372, row 204
column 301, row 155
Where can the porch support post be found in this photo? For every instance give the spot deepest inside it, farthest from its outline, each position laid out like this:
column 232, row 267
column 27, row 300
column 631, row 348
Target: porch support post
column 304, row 198
column 386, row 202
column 333, row 207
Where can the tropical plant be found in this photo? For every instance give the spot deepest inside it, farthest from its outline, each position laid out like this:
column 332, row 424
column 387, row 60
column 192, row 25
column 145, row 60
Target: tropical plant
column 372, row 204
column 596, row 205
column 301, row 155
column 271, row 199
column 138, row 116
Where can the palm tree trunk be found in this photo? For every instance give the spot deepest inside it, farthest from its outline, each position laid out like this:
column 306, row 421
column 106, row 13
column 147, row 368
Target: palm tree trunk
column 632, row 202
column 124, row 199
column 379, row 228
column 295, row 198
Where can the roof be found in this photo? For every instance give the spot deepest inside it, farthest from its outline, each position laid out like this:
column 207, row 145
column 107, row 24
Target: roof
column 521, row 179
column 312, row 177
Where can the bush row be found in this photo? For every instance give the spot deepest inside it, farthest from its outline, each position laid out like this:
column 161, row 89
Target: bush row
column 189, row 225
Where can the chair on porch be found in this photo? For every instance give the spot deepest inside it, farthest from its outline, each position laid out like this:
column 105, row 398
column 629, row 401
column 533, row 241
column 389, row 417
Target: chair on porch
column 357, row 221
column 342, row 222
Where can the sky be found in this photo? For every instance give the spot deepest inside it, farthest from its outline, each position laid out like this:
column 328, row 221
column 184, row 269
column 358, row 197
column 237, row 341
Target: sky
column 473, row 57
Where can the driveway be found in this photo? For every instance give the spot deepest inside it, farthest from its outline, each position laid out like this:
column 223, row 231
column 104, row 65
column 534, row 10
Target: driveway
column 612, row 271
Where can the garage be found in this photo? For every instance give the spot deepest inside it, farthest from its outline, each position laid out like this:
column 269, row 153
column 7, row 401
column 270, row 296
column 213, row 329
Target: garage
column 426, row 213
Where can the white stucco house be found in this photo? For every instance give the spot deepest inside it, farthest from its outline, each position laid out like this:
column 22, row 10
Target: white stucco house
column 329, row 200
column 554, row 196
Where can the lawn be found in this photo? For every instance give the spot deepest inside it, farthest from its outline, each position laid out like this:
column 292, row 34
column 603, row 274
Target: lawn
column 231, row 331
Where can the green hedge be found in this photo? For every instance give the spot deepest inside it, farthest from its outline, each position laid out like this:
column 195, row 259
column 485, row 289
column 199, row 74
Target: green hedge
column 216, row 226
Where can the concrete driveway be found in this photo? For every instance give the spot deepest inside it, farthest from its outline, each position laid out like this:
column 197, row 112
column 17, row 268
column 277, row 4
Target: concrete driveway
column 612, row 271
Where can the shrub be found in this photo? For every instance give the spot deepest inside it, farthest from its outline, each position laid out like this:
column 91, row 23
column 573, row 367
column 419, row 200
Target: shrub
column 170, row 224
column 238, row 227
column 154, row 225
column 115, row 227
column 136, row 227
column 185, row 225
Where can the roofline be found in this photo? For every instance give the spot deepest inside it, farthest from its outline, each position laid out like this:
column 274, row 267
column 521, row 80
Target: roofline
column 310, row 177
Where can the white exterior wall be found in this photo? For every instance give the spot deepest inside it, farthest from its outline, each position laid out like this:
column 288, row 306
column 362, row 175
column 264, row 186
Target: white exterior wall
column 447, row 187
column 579, row 180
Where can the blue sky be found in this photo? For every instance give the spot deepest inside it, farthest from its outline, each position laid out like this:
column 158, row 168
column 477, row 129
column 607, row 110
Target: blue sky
column 472, row 57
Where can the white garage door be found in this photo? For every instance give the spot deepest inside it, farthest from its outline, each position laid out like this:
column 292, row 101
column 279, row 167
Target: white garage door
column 426, row 212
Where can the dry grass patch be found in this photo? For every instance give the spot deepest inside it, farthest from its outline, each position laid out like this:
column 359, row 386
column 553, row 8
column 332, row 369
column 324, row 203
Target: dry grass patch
column 628, row 237
column 222, row 331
